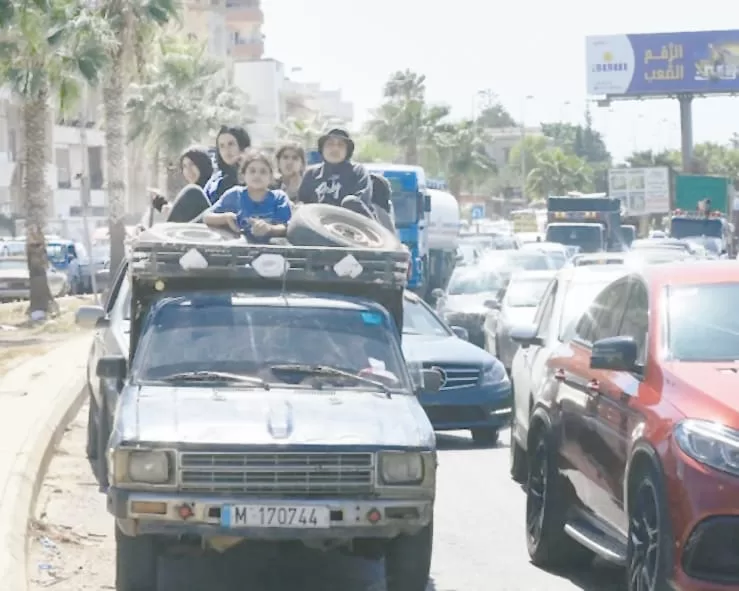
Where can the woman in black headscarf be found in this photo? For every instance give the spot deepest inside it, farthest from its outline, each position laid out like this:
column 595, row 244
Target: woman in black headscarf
column 231, row 142
column 196, row 165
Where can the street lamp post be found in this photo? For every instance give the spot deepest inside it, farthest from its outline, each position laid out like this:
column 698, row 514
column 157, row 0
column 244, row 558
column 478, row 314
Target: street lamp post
column 523, row 146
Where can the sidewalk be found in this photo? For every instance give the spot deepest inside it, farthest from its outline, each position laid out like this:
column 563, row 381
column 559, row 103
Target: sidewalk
column 37, row 400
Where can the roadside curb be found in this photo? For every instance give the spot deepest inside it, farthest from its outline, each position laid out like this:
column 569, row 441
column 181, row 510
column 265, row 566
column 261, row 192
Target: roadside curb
column 26, row 457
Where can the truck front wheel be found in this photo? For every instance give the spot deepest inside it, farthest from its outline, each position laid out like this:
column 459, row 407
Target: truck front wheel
column 408, row 561
column 136, row 562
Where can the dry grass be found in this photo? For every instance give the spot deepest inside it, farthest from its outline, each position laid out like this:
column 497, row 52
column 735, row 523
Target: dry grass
column 21, row 339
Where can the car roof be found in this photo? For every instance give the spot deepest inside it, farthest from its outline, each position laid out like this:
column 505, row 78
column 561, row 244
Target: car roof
column 543, row 246
column 524, row 274
column 592, row 273
column 294, row 300
column 701, row 272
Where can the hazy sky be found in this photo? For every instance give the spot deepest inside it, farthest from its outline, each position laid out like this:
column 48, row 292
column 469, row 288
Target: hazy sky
column 528, row 48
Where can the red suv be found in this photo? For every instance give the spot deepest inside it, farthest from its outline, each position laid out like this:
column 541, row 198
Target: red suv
column 634, row 442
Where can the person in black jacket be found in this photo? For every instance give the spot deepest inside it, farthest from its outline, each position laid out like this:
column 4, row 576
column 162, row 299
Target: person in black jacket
column 337, row 180
column 231, row 143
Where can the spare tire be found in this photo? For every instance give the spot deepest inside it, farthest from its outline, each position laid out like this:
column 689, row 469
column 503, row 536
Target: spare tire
column 318, row 224
column 186, row 234
column 189, row 204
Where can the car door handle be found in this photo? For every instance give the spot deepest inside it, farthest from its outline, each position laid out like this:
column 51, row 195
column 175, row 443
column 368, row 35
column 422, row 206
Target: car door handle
column 559, row 375
column 594, row 386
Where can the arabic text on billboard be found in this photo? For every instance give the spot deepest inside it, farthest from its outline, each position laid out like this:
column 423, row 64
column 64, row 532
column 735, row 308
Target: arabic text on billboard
column 641, row 190
column 663, row 64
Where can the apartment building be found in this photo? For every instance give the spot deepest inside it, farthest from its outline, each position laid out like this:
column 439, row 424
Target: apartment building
column 275, row 98
column 244, row 20
column 504, row 139
column 64, row 167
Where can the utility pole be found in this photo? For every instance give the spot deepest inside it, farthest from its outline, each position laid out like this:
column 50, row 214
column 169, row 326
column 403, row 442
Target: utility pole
column 84, row 177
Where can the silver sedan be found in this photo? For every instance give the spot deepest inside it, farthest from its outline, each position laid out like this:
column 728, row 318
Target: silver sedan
column 515, row 305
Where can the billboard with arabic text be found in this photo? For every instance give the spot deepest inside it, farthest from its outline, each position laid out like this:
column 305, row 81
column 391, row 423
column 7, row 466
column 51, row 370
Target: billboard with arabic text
column 663, row 64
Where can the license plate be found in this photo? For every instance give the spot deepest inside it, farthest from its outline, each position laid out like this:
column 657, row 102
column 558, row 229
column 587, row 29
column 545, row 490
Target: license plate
column 292, row 516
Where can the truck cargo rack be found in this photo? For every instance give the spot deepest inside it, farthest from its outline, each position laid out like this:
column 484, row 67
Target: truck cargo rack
column 153, row 260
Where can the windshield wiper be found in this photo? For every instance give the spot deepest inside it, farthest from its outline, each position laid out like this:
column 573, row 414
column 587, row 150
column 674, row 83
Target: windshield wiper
column 326, row 370
column 215, row 376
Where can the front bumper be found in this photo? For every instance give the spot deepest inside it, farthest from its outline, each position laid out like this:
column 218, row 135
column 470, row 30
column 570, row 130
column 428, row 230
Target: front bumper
column 469, row 408
column 349, row 519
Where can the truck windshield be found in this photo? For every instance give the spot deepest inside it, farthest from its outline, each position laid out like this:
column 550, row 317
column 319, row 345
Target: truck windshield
column 405, row 205
column 687, row 227
column 589, row 238
column 230, row 333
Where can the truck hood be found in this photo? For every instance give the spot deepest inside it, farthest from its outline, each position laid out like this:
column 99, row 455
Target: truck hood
column 230, row 416
column 443, row 349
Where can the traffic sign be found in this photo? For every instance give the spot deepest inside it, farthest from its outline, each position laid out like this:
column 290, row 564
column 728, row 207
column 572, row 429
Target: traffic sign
column 477, row 212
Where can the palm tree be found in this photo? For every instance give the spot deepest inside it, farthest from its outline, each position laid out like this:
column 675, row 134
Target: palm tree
column 557, row 172
column 49, row 51
column 183, row 100
column 132, row 22
column 463, row 152
column 405, row 120
column 307, row 131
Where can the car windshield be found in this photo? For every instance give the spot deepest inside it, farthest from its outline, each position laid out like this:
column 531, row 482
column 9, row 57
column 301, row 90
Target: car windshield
column 470, row 281
column 418, row 319
column 56, row 252
column 588, row 237
column 686, row 227
column 698, row 326
column 712, row 245
column 11, row 264
column 504, row 242
column 405, row 208
column 230, row 333
column 526, row 292
column 578, row 298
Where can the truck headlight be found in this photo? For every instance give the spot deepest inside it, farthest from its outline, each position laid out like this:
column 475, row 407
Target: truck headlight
column 401, row 468
column 148, row 467
column 709, row 443
column 493, row 375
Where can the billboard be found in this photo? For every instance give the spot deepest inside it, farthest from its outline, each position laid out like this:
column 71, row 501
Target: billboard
column 663, row 64
column 641, row 190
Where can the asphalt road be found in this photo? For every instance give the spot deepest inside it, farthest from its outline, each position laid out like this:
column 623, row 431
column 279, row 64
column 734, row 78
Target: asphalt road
column 478, row 546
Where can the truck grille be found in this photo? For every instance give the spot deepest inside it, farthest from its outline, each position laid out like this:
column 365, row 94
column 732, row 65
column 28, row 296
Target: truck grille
column 458, row 375
column 281, row 474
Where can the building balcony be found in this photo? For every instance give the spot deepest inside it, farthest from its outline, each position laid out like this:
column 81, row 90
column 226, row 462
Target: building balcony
column 247, row 50
column 240, row 14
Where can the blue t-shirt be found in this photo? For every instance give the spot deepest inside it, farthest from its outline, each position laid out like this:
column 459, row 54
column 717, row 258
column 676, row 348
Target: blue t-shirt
column 274, row 209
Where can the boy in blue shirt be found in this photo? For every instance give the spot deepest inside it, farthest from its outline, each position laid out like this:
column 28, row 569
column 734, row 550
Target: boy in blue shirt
column 254, row 210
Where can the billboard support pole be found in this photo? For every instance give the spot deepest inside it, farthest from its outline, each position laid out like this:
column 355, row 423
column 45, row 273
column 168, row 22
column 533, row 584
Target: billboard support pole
column 686, row 131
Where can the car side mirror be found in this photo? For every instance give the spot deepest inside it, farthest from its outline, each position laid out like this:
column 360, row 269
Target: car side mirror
column 432, row 380
column 526, row 335
column 492, row 304
column 90, row 317
column 437, row 293
column 614, row 353
column 113, row 367
column 461, row 332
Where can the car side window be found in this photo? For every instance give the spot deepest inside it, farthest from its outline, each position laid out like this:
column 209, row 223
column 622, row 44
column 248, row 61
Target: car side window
column 603, row 317
column 115, row 288
column 611, row 311
column 635, row 322
column 547, row 308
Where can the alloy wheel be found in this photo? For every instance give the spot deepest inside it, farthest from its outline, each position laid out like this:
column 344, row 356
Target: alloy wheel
column 536, row 493
column 644, row 531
